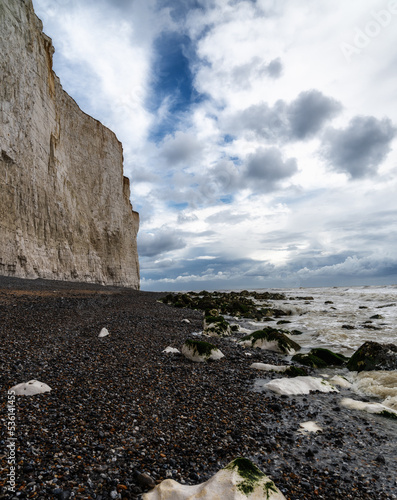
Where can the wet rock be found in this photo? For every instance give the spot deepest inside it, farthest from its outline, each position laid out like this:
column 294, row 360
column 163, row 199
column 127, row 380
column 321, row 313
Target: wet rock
column 199, row 351
column 145, row 480
column 216, row 326
column 310, row 360
column 329, row 357
column 374, row 356
column 271, row 339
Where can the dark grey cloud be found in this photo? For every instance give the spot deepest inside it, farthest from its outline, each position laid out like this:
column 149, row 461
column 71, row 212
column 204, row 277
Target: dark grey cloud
column 266, row 167
column 182, row 148
column 301, row 119
column 361, row 147
column 151, row 245
column 275, row 68
column 309, row 112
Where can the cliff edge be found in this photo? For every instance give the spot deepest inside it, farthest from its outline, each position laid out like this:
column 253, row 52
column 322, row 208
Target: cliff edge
column 65, row 210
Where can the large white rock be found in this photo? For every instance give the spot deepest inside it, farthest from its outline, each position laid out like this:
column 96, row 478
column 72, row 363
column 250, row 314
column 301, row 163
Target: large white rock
column 377, row 408
column 30, row 388
column 199, row 352
column 230, row 483
column 65, row 210
column 299, row 385
column 268, row 368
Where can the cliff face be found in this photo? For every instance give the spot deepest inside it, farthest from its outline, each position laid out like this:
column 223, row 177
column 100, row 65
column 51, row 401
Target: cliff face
column 65, row 211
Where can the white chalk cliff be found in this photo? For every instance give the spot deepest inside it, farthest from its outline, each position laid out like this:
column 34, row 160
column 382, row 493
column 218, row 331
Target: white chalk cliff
column 65, row 210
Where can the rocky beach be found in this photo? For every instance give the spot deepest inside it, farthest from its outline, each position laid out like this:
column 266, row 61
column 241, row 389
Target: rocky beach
column 122, row 415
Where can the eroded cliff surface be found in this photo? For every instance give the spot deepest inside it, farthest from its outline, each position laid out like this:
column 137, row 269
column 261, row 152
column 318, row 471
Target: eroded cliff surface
column 65, row 211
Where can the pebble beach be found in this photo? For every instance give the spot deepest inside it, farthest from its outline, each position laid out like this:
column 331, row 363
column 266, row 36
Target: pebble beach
column 123, row 415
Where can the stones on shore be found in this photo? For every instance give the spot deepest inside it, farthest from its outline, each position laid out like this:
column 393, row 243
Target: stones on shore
column 270, row 339
column 103, row 333
column 238, row 304
column 199, row 351
column 30, row 388
column 374, row 356
column 241, row 479
column 299, row 385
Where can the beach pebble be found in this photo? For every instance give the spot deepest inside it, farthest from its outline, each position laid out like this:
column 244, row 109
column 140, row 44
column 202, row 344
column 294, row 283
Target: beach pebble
column 103, row 333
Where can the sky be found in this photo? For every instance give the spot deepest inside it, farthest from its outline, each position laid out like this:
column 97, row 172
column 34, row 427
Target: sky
column 260, row 136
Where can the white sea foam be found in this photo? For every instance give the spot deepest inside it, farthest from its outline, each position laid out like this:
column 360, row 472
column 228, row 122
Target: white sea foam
column 381, row 384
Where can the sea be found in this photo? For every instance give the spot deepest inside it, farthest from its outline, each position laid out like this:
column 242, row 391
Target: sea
column 342, row 319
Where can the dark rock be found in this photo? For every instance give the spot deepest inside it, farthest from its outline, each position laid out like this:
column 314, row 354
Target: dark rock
column 145, row 480
column 270, row 334
column 329, row 357
column 310, row 360
column 374, row 356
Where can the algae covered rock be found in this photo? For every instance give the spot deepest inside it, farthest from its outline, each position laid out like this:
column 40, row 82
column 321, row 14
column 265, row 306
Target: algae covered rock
column 374, row 356
column 271, row 339
column 199, row 351
column 216, row 326
column 329, row 357
column 320, row 358
column 240, row 480
column 310, row 360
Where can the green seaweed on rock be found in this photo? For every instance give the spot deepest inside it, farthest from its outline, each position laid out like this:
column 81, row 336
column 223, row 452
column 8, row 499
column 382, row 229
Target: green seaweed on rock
column 251, row 476
column 202, row 348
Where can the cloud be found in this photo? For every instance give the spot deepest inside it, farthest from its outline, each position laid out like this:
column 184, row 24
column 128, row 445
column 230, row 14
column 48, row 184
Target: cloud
column 183, row 147
column 309, row 113
column 301, row 119
column 361, row 147
column 163, row 241
column 266, row 168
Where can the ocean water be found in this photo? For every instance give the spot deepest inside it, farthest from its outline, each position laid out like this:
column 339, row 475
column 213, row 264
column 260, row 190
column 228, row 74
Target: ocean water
column 342, row 319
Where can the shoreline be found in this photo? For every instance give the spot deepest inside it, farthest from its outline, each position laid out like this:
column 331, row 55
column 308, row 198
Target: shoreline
column 120, row 407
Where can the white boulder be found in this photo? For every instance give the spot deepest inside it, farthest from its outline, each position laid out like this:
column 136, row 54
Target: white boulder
column 299, row 385
column 199, row 351
column 268, row 368
column 377, row 408
column 240, row 480
column 30, row 388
